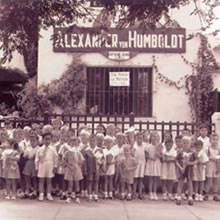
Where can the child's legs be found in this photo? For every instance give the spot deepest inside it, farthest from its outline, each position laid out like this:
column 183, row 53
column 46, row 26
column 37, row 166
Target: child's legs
column 96, row 185
column 164, row 186
column 215, row 186
column 180, row 186
column 170, row 184
column 27, row 183
column 41, row 185
column 140, row 185
column 110, row 182
column 135, row 185
column 196, row 186
column 14, row 186
column 190, row 187
column 201, row 187
column 35, row 183
column 90, row 187
column 150, row 184
column 8, row 186
column 105, row 183
column 122, row 187
column 129, row 188
column 156, row 180
column 49, row 185
column 70, row 186
column 208, row 184
column 77, row 187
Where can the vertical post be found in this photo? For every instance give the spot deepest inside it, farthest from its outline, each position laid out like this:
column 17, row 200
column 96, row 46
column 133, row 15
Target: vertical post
column 131, row 119
column 46, row 118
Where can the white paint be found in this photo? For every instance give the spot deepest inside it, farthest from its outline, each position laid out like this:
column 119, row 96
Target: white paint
column 169, row 104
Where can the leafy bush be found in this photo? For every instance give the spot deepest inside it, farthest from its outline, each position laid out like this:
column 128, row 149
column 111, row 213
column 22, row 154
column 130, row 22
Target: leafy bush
column 65, row 93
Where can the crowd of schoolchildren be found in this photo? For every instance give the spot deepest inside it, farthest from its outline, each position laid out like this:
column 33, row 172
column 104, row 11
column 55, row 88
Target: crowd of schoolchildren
column 56, row 161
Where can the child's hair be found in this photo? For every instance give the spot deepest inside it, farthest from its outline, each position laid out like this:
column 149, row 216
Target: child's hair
column 107, row 137
column 214, row 135
column 85, row 132
column 13, row 144
column 178, row 137
column 168, row 141
column 152, row 134
column 203, row 126
column 73, row 138
column 197, row 143
column 139, row 133
column 102, row 126
column 46, row 134
column 100, row 135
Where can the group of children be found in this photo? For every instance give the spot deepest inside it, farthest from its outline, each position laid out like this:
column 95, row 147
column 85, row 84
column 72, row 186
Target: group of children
column 53, row 160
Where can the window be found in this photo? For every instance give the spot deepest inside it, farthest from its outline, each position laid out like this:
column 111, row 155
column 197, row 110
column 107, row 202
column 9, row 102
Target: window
column 105, row 98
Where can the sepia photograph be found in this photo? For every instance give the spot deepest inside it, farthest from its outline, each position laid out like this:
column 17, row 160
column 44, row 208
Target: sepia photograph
column 109, row 109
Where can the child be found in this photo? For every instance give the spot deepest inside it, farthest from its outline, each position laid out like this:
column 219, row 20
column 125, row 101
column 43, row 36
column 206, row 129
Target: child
column 73, row 160
column 153, row 164
column 93, row 160
column 30, row 174
column 212, row 168
column 100, row 128
column 185, row 161
column 62, row 146
column 139, row 154
column 203, row 136
column 118, row 153
column 46, row 165
column 168, row 171
column 130, row 136
column 199, row 170
column 11, row 171
column 127, row 167
column 110, row 170
column 84, row 144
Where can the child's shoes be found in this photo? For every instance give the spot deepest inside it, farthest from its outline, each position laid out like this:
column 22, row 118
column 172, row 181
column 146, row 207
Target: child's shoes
column 90, row 198
column 7, row 197
column 68, row 200
column 164, row 196
column 206, row 198
column 13, row 197
column 200, row 198
column 184, row 196
column 155, row 196
column 129, row 198
column 95, row 197
column 49, row 197
column 77, row 200
column 170, row 196
column 41, row 197
column 197, row 197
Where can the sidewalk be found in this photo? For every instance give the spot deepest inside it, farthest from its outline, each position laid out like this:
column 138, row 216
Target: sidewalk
column 107, row 210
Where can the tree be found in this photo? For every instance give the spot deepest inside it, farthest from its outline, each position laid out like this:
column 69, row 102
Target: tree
column 21, row 21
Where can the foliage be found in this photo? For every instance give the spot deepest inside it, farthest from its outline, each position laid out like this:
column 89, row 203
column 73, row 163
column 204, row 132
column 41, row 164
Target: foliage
column 21, row 21
column 200, row 85
column 66, row 93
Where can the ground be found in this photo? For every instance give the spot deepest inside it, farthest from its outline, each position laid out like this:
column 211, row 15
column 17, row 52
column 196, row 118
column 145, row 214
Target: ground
column 107, row 210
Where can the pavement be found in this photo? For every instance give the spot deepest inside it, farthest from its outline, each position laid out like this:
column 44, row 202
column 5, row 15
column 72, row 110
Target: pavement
column 107, row 210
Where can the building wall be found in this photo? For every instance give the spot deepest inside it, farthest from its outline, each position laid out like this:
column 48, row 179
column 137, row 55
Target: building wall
column 169, row 103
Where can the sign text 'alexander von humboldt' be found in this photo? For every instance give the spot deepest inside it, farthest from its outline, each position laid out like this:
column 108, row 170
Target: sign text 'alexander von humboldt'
column 149, row 41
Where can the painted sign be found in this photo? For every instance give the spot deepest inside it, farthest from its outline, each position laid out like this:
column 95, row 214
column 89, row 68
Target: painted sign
column 136, row 40
column 119, row 55
column 119, row 78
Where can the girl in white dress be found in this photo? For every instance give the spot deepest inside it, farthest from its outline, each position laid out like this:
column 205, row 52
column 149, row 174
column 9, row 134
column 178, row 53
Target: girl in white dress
column 153, row 164
column 46, row 165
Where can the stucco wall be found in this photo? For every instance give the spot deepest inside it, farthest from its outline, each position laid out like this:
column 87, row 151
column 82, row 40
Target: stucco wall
column 169, row 103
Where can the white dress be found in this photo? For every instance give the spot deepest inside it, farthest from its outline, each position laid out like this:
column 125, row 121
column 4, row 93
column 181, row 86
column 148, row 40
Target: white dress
column 153, row 166
column 139, row 154
column 46, row 161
